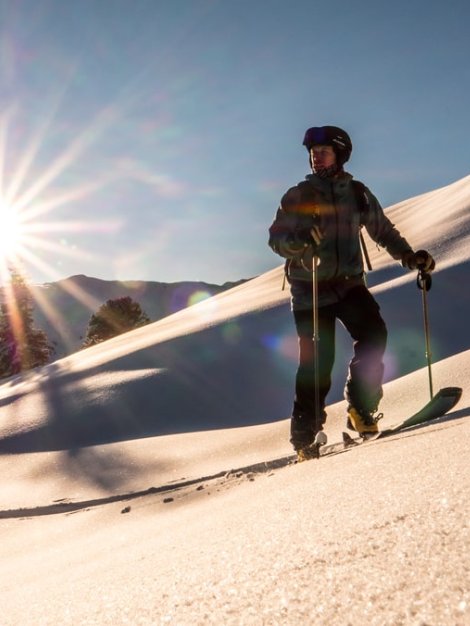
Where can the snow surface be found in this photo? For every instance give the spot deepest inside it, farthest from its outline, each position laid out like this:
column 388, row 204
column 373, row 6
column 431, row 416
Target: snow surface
column 148, row 480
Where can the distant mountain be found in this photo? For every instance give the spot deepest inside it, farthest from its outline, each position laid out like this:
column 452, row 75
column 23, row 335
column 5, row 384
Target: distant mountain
column 63, row 308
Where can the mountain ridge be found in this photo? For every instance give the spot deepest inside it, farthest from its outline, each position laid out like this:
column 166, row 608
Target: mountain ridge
column 62, row 309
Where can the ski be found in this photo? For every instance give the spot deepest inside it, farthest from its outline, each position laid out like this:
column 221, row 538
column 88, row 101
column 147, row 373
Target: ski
column 444, row 400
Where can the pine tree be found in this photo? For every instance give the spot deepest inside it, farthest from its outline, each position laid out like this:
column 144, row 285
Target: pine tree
column 113, row 318
column 22, row 346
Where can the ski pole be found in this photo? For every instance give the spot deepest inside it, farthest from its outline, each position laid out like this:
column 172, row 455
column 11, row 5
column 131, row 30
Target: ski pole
column 316, row 339
column 424, row 283
column 320, row 437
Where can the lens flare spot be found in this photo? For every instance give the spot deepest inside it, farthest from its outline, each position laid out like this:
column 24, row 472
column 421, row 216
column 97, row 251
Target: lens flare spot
column 202, row 304
column 231, row 333
column 391, row 367
column 406, row 355
column 198, row 296
column 285, row 345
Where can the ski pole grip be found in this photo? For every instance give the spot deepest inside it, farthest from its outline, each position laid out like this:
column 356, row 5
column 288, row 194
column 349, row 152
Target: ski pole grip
column 424, row 280
column 424, row 261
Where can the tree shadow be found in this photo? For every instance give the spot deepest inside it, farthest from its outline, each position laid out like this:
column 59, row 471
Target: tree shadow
column 221, row 377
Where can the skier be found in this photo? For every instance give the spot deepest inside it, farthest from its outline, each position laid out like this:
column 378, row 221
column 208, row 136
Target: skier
column 321, row 217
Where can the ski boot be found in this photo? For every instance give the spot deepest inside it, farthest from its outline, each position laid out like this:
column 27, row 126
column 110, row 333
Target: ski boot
column 363, row 422
column 312, row 451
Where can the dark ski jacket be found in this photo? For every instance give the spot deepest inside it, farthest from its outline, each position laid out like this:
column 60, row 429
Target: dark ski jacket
column 331, row 205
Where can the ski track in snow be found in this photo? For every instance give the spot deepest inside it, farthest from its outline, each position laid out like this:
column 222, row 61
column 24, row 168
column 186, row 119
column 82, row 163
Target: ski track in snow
column 222, row 478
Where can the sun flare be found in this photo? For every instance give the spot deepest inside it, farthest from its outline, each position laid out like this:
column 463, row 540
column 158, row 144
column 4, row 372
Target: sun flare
column 10, row 231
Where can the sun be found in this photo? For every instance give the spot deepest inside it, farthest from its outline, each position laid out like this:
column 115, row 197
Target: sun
column 11, row 231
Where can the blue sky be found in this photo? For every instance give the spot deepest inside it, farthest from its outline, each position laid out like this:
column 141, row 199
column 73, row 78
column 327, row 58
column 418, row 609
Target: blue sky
column 153, row 139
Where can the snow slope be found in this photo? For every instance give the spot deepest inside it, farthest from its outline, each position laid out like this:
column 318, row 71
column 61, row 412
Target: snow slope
column 207, row 390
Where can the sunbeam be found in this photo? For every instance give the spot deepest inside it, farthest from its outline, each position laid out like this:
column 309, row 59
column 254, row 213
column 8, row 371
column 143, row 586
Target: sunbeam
column 46, row 205
column 69, row 156
column 79, row 294
column 30, row 192
column 28, row 198
column 11, row 229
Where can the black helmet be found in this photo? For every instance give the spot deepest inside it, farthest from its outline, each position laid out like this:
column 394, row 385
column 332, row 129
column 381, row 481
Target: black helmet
column 332, row 136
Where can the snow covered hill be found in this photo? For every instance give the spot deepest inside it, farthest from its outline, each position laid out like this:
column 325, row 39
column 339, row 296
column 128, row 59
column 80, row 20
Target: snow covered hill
column 229, row 360
column 207, row 390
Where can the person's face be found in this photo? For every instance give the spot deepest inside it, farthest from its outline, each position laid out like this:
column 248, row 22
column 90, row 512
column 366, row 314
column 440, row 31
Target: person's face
column 322, row 157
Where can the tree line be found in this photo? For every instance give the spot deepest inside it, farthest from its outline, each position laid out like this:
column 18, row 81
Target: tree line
column 23, row 347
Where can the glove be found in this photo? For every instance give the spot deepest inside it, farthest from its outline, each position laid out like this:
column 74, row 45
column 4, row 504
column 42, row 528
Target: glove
column 306, row 237
column 420, row 260
column 424, row 261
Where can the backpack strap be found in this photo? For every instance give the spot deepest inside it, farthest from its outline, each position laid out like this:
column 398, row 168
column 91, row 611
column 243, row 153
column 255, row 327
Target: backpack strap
column 362, row 199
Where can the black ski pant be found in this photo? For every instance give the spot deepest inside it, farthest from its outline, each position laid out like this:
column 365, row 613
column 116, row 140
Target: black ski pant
column 360, row 315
